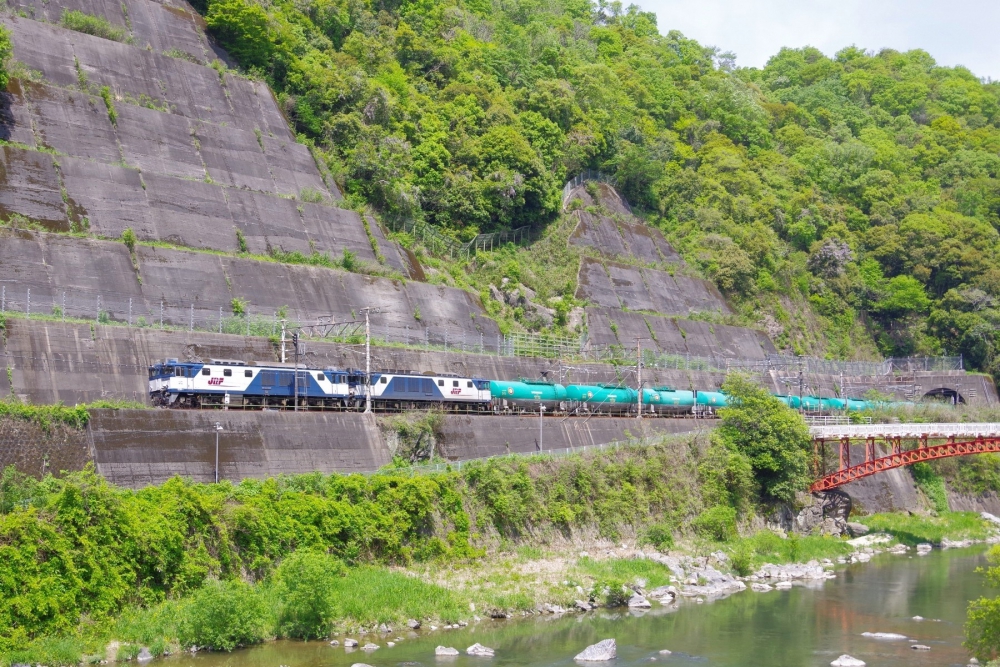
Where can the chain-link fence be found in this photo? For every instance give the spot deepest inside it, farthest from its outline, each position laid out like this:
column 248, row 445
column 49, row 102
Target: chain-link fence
column 441, row 244
column 590, row 175
column 240, row 318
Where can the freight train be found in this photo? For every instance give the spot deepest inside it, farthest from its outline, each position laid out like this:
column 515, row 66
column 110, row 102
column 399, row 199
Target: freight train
column 237, row 384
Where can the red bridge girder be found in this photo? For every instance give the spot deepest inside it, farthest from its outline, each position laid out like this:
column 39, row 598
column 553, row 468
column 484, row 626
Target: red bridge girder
column 899, row 459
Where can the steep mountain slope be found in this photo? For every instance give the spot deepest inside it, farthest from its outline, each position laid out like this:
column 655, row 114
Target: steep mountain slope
column 141, row 184
column 845, row 202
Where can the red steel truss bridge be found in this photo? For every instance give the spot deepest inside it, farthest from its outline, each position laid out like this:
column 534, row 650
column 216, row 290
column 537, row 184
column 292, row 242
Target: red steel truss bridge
column 889, row 446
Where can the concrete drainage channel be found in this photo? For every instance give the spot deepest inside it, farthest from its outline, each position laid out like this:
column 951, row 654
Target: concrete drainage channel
column 136, row 448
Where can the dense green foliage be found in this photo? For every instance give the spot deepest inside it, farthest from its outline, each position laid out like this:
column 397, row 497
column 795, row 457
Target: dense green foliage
column 6, row 52
column 982, row 626
column 863, row 182
column 77, row 547
column 770, row 437
column 932, row 484
column 223, row 615
column 307, row 587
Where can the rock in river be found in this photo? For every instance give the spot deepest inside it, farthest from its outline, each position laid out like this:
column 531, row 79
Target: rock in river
column 599, row 652
column 882, row 635
column 847, row 661
column 480, row 650
column 445, row 650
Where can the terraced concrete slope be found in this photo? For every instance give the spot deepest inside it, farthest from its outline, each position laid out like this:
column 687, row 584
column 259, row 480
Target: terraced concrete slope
column 633, row 268
column 107, row 136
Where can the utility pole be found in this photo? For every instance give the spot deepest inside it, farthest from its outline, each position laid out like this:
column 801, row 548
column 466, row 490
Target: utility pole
column 295, row 343
column 368, row 356
column 638, row 372
column 541, row 411
column 283, row 323
column 218, row 428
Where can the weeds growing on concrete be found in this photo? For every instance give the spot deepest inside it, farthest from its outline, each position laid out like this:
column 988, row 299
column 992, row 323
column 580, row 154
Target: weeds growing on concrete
column 97, row 26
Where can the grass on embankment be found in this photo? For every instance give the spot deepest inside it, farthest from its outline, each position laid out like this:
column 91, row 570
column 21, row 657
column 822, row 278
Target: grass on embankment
column 912, row 529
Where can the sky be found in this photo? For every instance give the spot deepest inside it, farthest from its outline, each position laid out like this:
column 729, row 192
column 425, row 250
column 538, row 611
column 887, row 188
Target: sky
column 954, row 32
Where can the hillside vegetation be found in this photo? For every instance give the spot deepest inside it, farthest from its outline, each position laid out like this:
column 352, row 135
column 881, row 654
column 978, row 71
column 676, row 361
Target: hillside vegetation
column 865, row 183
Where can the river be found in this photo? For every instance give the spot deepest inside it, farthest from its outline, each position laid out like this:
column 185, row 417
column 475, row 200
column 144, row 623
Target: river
column 806, row 626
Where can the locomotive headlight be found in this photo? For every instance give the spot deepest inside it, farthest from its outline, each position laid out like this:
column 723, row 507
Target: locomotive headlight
column 510, row 390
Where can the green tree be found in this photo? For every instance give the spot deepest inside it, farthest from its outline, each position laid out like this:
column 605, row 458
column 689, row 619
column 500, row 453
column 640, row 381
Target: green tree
column 773, row 438
column 242, row 28
column 982, row 625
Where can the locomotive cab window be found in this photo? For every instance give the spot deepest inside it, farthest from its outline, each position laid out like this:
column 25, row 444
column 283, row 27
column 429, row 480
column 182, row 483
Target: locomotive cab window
column 383, row 380
column 248, row 373
column 440, row 383
column 206, row 371
column 454, row 383
column 320, row 377
column 179, row 372
column 228, row 372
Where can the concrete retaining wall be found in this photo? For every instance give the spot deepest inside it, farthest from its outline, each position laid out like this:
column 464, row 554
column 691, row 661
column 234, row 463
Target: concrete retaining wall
column 77, row 363
column 36, row 451
column 140, row 447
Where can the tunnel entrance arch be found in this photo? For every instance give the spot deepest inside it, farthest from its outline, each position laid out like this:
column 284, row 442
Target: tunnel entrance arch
column 946, row 394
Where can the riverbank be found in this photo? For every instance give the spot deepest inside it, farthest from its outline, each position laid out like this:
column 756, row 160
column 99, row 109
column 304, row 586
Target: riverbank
column 374, row 603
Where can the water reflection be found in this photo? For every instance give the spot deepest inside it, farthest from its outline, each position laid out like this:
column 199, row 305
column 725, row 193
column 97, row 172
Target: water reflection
column 802, row 627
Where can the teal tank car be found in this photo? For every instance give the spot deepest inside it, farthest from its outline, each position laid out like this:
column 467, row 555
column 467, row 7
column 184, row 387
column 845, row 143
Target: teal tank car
column 602, row 397
column 794, row 402
column 527, row 395
column 811, row 404
column 832, row 404
column 670, row 401
column 857, row 405
column 711, row 399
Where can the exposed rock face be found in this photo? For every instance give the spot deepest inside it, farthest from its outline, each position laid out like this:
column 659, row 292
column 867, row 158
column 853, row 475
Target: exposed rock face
column 601, row 651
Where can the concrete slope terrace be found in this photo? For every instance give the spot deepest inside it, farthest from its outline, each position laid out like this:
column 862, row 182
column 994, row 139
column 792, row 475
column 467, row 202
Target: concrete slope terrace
column 194, row 157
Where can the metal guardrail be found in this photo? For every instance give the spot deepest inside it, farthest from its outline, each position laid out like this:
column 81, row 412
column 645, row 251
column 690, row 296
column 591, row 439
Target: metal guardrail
column 948, row 430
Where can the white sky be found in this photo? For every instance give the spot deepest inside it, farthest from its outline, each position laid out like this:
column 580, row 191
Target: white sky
column 955, row 32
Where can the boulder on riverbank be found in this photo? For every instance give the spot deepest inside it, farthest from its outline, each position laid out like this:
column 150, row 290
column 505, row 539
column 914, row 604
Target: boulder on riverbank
column 602, row 651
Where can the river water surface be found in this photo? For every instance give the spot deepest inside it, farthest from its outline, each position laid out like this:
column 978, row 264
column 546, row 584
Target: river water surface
column 806, row 626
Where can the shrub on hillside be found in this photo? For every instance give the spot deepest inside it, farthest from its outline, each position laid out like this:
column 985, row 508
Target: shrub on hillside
column 306, row 585
column 716, row 523
column 224, row 615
